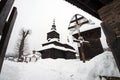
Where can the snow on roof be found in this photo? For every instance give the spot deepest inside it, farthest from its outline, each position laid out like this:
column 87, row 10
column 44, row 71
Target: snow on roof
column 53, row 39
column 52, row 31
column 33, row 55
column 56, row 47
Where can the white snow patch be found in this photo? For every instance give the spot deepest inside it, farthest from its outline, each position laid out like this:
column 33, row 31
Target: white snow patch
column 61, row 69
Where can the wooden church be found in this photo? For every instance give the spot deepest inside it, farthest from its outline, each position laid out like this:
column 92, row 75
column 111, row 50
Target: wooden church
column 54, row 48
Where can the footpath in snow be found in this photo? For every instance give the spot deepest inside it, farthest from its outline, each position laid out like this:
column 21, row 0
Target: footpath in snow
column 61, row 69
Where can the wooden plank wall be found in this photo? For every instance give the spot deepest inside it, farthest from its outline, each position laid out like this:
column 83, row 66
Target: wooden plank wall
column 110, row 15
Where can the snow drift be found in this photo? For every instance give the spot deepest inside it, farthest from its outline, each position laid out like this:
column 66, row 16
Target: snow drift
column 61, row 69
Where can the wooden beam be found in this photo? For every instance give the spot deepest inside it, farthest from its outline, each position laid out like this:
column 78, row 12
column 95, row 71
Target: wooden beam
column 6, row 35
column 90, row 7
column 5, row 9
column 113, row 42
column 109, row 77
column 111, row 27
column 2, row 3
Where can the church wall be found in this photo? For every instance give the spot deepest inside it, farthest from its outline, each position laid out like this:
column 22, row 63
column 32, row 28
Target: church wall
column 45, row 54
column 55, row 53
column 70, row 55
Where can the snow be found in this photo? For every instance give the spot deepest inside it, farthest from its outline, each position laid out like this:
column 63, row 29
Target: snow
column 56, row 47
column 53, row 39
column 33, row 55
column 61, row 69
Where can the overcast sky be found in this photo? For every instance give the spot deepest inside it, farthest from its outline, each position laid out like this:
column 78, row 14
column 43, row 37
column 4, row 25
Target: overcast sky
column 38, row 15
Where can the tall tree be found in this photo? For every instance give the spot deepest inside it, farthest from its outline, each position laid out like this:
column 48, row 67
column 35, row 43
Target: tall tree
column 21, row 46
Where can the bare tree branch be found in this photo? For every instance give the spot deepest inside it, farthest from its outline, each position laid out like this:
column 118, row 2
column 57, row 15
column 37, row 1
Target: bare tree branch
column 21, row 44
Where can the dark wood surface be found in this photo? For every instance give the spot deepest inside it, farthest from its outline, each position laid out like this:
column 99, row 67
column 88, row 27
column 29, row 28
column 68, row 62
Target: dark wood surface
column 5, row 9
column 53, row 34
column 90, row 6
column 90, row 34
column 110, row 15
column 56, row 53
column 6, row 35
column 94, row 47
column 113, row 42
column 91, row 49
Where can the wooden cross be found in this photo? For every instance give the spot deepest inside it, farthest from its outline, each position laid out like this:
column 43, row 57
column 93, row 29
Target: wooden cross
column 76, row 26
column 81, row 47
column 77, row 21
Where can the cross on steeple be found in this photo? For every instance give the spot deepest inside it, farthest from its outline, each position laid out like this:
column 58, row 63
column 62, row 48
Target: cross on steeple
column 53, row 26
column 53, row 21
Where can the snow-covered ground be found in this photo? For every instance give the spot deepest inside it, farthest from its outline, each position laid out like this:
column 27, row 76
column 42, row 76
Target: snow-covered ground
column 61, row 69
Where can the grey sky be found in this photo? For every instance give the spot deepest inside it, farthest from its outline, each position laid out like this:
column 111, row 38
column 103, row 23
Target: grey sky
column 38, row 16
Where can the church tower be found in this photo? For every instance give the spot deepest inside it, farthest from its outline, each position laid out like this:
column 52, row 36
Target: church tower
column 53, row 35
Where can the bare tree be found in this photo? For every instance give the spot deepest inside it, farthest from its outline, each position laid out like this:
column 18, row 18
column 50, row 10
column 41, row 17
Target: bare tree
column 21, row 43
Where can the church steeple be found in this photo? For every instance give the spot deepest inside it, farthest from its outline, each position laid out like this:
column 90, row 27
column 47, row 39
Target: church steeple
column 53, row 26
column 53, row 35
